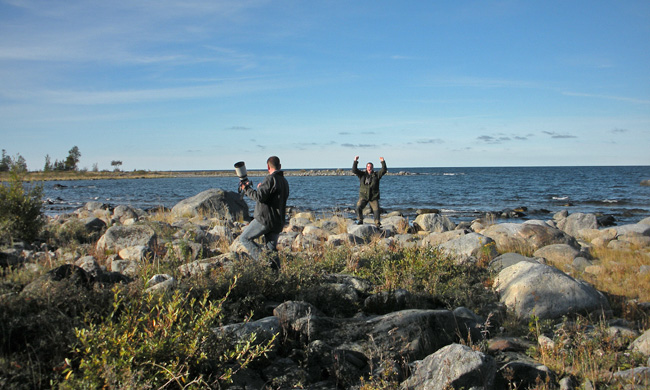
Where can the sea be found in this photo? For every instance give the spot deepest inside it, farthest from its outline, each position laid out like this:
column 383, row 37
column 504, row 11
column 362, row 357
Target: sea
column 462, row 194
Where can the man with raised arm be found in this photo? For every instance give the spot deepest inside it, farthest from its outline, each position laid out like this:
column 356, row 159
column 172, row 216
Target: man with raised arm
column 270, row 210
column 368, row 188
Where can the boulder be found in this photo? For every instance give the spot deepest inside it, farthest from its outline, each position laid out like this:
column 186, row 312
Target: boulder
column 311, row 230
column 93, row 224
column 64, row 275
column 508, row 259
column 365, row 232
column 90, row 265
column 433, row 223
column 388, row 301
column 285, row 240
column 639, row 376
column 526, row 236
column 396, row 222
column 123, row 212
column 640, row 228
column 117, row 238
column 453, row 367
column 135, row 253
column 642, row 343
column 343, row 239
column 412, row 334
column 531, row 289
column 576, row 222
column 161, row 283
column 204, row 266
column 216, row 203
column 264, row 329
column 557, row 253
column 635, row 239
column 435, row 239
column 470, row 247
column 126, row 267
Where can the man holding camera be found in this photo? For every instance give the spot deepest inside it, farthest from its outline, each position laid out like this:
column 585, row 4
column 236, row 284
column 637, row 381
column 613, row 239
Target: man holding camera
column 270, row 208
column 368, row 188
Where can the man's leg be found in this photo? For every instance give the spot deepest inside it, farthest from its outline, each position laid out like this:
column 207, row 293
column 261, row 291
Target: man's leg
column 374, row 204
column 253, row 231
column 361, row 204
column 272, row 247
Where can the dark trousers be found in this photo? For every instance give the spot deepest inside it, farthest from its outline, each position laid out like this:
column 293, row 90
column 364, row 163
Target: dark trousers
column 374, row 206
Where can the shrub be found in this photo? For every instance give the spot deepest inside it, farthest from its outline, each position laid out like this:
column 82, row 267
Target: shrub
column 158, row 340
column 20, row 210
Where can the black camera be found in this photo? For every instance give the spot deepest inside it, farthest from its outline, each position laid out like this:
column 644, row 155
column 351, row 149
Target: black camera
column 240, row 170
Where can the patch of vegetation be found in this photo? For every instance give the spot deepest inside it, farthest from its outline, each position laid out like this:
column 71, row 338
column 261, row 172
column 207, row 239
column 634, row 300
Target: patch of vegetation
column 20, row 210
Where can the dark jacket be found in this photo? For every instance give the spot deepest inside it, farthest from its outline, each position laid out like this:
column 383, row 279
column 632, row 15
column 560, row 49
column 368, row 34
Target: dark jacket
column 271, row 201
column 369, row 182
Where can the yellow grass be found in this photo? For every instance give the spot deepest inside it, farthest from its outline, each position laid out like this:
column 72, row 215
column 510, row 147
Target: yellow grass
column 619, row 274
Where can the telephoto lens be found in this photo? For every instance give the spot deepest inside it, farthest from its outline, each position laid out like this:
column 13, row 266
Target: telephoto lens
column 240, row 170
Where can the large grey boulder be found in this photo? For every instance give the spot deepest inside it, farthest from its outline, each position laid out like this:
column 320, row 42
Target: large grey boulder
column 453, row 367
column 435, row 239
column 526, row 236
column 558, row 253
column 365, row 232
column 639, row 228
column 264, row 329
column 117, row 238
column 576, row 222
column 508, row 259
column 216, row 203
column 124, row 212
column 470, row 247
column 433, row 223
column 531, row 289
column 413, row 334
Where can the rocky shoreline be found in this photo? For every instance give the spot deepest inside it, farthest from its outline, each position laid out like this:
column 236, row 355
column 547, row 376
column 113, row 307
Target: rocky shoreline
column 427, row 344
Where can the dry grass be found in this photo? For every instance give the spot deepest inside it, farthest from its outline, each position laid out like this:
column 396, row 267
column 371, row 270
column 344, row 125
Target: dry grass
column 619, row 273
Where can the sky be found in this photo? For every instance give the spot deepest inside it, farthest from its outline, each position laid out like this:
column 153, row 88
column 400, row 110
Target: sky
column 200, row 85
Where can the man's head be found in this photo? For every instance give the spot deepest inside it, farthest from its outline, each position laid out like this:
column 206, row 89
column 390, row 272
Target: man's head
column 369, row 167
column 273, row 163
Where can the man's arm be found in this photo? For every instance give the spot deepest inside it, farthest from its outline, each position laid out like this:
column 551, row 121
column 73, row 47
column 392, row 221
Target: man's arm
column 355, row 164
column 383, row 170
column 263, row 190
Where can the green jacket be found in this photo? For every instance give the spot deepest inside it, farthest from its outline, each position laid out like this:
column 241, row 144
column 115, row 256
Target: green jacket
column 369, row 182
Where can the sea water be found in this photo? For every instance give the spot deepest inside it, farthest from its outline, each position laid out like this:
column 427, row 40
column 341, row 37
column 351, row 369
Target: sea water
column 460, row 193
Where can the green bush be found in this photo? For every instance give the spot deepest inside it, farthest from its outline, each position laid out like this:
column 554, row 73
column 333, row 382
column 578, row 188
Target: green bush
column 20, row 210
column 156, row 340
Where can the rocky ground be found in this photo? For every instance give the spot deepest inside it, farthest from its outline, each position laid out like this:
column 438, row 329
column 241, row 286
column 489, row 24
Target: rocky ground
column 424, row 345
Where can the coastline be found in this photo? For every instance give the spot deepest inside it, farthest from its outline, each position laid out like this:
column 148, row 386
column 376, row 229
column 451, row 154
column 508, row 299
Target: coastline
column 120, row 175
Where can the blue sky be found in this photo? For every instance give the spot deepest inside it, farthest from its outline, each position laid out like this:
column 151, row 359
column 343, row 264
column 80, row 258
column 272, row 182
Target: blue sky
column 191, row 84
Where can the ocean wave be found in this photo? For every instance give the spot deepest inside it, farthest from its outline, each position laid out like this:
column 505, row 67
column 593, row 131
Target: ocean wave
column 560, row 198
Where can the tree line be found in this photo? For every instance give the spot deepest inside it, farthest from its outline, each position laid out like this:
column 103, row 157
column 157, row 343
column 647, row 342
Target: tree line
column 8, row 163
column 18, row 163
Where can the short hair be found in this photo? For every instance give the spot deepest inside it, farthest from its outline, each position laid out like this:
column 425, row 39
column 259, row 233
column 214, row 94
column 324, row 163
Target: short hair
column 274, row 162
column 371, row 164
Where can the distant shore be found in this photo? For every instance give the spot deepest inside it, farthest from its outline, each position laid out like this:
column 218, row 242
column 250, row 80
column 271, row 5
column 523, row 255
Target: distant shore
column 141, row 174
